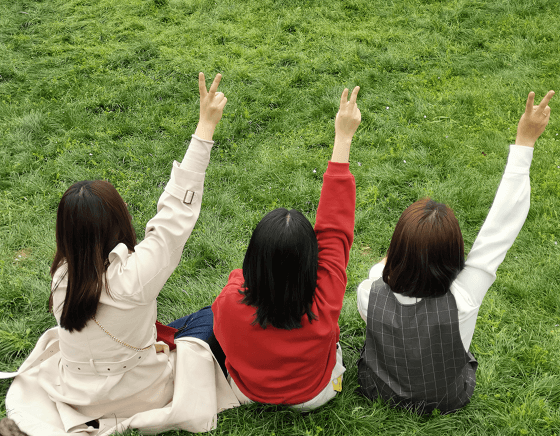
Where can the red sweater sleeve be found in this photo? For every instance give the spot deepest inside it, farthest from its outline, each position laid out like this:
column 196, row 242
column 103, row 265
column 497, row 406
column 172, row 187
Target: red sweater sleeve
column 334, row 227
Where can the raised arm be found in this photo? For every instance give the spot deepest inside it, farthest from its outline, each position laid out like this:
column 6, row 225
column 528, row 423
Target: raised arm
column 157, row 256
column 509, row 209
column 334, row 224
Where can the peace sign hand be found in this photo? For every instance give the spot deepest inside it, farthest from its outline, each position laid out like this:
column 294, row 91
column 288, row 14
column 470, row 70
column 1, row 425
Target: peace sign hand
column 534, row 120
column 211, row 107
column 348, row 117
column 345, row 124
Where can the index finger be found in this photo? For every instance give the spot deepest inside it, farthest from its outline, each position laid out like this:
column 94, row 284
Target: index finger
column 354, row 95
column 344, row 97
column 201, row 84
column 530, row 102
column 545, row 100
column 215, row 83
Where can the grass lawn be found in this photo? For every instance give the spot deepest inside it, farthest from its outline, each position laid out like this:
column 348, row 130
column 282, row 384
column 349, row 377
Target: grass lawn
column 103, row 89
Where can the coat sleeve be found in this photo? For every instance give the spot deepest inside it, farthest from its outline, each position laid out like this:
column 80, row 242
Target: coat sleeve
column 144, row 272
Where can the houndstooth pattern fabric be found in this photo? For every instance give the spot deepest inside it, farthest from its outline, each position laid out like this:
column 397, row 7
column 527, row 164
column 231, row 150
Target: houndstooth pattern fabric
column 413, row 354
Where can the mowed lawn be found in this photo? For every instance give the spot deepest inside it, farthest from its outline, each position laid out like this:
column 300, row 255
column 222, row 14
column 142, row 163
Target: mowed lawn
column 104, row 89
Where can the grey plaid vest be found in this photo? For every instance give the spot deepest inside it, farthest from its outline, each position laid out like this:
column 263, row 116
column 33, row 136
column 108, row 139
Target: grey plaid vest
column 413, row 354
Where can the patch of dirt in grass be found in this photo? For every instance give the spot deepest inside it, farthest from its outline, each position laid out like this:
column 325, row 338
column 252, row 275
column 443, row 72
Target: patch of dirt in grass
column 22, row 254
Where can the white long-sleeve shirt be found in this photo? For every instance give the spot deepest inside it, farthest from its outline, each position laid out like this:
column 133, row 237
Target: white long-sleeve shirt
column 502, row 225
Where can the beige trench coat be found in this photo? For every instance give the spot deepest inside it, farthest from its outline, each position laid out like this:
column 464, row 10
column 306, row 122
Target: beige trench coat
column 200, row 392
column 93, row 376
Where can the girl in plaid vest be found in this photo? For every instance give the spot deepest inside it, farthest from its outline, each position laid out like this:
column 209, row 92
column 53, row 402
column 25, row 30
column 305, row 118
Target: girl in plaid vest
column 420, row 303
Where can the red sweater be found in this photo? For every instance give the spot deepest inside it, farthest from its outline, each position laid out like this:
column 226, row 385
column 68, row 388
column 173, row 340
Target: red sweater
column 279, row 366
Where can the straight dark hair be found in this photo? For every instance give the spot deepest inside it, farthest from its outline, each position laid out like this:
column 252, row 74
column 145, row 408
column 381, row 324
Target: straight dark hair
column 426, row 252
column 92, row 219
column 280, row 270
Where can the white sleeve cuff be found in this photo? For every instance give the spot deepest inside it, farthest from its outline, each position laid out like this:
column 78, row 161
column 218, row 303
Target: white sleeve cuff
column 519, row 159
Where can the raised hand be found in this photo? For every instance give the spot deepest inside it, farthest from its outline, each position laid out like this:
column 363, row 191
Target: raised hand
column 211, row 107
column 534, row 120
column 345, row 124
column 348, row 117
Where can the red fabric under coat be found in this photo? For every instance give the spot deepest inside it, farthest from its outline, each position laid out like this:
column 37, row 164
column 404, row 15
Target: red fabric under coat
column 166, row 334
column 279, row 366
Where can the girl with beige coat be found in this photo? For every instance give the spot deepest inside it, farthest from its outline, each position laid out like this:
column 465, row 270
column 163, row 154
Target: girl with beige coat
column 101, row 369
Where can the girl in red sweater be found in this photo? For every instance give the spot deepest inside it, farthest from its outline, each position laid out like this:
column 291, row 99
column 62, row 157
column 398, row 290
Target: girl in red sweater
column 277, row 318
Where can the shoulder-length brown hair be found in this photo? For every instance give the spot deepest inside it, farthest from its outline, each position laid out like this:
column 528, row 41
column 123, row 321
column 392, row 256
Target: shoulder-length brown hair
column 426, row 252
column 92, row 219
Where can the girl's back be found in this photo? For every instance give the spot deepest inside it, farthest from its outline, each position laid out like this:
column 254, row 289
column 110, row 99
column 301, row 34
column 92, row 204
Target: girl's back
column 417, row 355
column 275, row 354
column 273, row 365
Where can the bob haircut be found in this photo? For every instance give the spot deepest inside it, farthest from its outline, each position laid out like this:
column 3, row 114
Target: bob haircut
column 426, row 252
column 280, row 270
column 92, row 219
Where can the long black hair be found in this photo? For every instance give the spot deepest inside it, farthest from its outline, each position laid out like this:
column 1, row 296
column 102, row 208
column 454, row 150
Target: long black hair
column 92, row 219
column 280, row 269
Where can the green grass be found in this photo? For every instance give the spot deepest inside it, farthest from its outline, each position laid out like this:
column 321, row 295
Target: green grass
column 104, row 89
